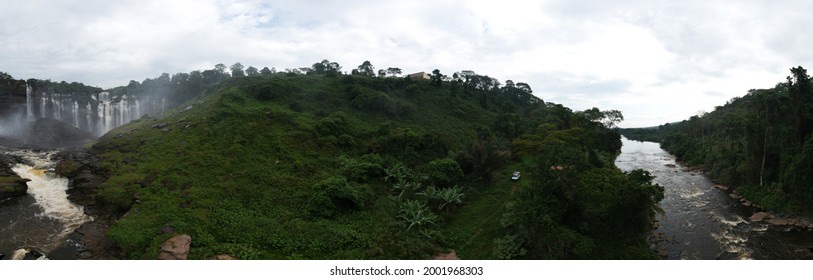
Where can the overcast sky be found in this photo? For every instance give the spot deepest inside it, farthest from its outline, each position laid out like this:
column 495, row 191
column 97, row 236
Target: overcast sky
column 656, row 61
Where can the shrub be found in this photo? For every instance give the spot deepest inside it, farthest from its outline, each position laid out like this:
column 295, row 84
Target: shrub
column 444, row 172
column 335, row 195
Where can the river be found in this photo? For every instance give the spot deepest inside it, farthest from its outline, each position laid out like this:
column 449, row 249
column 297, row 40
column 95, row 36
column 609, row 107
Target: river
column 702, row 222
column 45, row 217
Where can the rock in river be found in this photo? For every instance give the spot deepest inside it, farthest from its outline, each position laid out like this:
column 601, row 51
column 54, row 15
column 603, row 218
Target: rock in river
column 759, row 216
column 779, row 222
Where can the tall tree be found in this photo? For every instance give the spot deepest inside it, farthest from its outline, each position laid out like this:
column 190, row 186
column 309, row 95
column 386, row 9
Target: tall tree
column 366, row 69
column 436, row 78
column 393, row 71
column 220, row 68
column 801, row 102
column 252, row 71
column 237, row 70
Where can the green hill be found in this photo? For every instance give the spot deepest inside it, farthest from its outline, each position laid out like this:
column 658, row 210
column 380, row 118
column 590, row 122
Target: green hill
column 289, row 166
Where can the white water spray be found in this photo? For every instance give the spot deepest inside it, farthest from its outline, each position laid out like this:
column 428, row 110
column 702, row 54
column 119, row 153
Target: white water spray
column 48, row 190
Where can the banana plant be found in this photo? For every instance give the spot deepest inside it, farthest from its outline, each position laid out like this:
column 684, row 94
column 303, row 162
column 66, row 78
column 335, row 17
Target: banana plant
column 416, row 214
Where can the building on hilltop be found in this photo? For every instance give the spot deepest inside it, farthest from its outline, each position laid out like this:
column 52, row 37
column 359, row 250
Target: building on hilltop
column 419, row 75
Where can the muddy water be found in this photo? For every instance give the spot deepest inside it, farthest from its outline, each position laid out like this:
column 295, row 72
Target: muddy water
column 701, row 222
column 43, row 218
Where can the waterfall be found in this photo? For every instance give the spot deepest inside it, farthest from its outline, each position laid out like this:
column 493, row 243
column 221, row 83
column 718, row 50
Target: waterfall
column 29, row 102
column 97, row 113
column 76, row 114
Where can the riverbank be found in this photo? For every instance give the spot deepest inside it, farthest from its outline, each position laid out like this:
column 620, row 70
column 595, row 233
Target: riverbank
column 90, row 240
column 702, row 220
column 29, row 227
column 760, row 213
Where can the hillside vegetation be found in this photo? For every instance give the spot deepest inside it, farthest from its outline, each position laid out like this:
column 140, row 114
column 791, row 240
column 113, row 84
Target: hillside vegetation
column 288, row 166
column 761, row 143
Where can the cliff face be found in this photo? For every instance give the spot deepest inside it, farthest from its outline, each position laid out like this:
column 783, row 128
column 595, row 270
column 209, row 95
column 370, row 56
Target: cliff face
column 87, row 108
column 11, row 185
column 12, row 98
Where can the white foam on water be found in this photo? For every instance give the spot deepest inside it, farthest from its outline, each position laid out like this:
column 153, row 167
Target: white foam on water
column 48, row 190
column 692, row 193
column 19, row 254
column 732, row 222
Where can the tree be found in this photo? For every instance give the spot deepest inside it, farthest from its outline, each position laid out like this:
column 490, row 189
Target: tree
column 524, row 87
column 237, row 70
column 606, row 118
column 366, row 69
column 393, row 72
column 801, row 99
column 252, row 71
column 444, row 172
column 333, row 69
column 436, row 78
column 220, row 68
column 320, row 68
column 265, row 71
column 382, row 73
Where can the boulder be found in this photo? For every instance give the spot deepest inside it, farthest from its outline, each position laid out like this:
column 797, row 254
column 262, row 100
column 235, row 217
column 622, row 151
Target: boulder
column 670, row 165
column 175, row 248
column 85, row 255
column 67, row 168
column 735, row 196
column 759, row 216
column 779, row 222
column 12, row 186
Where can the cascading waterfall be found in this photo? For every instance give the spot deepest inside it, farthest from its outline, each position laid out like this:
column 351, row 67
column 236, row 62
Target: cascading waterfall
column 29, row 103
column 98, row 115
column 76, row 114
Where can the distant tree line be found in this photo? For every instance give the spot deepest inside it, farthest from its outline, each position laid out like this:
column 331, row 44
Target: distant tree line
column 760, row 142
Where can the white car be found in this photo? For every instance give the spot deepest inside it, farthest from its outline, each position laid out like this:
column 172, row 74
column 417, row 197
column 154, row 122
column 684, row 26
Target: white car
column 515, row 176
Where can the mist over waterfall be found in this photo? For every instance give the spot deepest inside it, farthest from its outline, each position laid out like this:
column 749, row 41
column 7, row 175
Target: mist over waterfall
column 98, row 113
column 32, row 109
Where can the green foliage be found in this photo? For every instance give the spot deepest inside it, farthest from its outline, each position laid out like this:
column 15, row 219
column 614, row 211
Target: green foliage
column 443, row 172
column 759, row 141
column 335, row 195
column 287, row 166
column 416, row 214
column 445, row 197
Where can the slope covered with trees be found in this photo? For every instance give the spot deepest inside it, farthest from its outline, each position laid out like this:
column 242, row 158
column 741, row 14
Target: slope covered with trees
column 325, row 165
column 761, row 142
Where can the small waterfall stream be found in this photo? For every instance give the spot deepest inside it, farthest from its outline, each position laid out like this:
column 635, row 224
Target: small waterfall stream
column 44, row 217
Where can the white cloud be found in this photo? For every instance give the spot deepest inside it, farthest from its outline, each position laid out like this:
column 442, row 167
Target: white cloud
column 677, row 57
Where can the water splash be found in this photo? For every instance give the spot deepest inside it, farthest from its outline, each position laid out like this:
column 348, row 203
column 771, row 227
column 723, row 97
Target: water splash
column 48, row 190
column 20, row 254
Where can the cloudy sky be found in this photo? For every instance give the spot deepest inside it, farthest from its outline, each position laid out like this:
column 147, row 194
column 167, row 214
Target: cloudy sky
column 656, row 61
